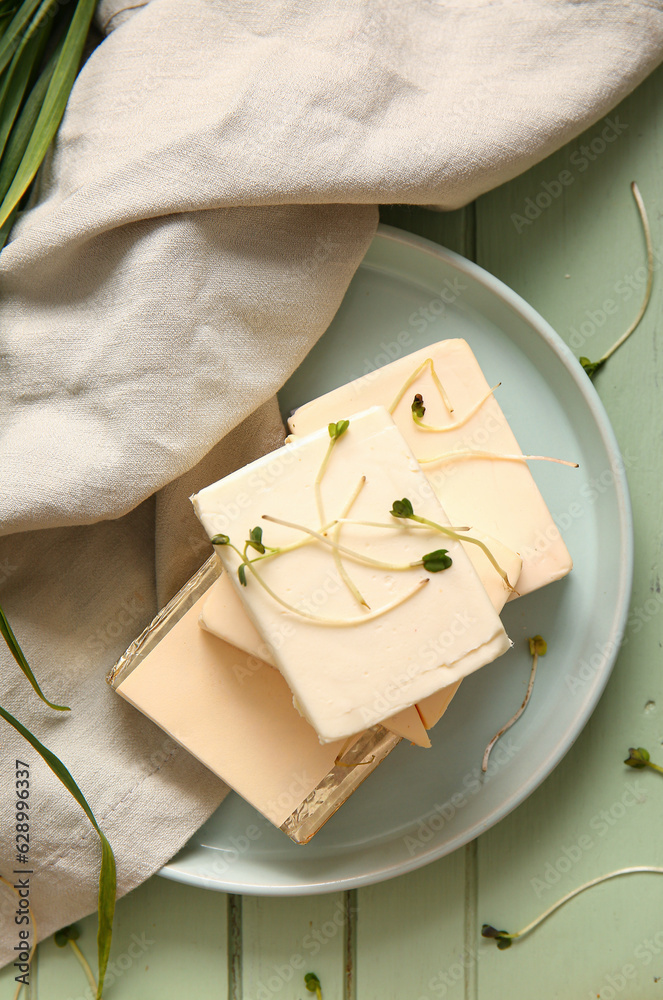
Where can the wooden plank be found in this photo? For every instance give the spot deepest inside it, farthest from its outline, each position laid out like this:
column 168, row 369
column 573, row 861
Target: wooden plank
column 412, row 931
column 284, row 938
column 410, row 936
column 578, row 260
column 167, row 938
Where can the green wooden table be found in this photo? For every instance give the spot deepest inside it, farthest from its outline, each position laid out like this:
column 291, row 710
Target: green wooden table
column 569, row 243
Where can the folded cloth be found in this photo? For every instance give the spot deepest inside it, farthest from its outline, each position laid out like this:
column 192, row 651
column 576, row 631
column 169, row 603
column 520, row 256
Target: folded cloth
column 211, row 191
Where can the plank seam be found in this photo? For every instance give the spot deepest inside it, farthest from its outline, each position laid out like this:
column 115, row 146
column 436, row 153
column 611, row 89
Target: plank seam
column 350, row 946
column 471, row 957
column 234, row 947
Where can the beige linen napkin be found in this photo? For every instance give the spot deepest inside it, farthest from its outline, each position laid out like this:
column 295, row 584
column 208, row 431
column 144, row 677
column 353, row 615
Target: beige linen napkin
column 211, row 192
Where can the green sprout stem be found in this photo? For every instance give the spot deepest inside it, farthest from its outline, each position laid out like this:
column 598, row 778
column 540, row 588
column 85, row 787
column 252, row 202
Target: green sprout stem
column 591, row 367
column 458, row 423
column 85, row 965
column 428, row 363
column 338, row 622
column 403, row 508
column 395, row 527
column 357, row 556
column 469, row 453
column 343, row 573
column 279, row 550
column 317, row 485
column 504, row 939
column 538, row 648
column 336, row 431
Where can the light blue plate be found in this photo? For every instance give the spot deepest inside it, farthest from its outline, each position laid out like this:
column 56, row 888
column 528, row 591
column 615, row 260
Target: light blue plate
column 422, row 804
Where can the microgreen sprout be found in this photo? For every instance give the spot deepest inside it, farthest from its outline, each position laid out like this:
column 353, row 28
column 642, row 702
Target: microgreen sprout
column 69, row 936
column 428, row 363
column 241, row 569
column 435, row 562
column 356, row 556
column 255, row 541
column 404, row 509
column 313, row 984
column 591, row 367
column 318, row 618
column 343, row 573
column 336, row 431
column 418, row 410
column 469, row 453
column 504, row 939
column 393, row 527
column 639, row 757
column 65, row 935
column 537, row 647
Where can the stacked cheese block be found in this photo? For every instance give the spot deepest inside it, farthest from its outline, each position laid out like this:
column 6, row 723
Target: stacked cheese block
column 326, row 623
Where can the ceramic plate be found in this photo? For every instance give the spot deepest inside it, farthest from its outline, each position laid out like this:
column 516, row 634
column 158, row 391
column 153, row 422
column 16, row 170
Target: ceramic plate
column 422, row 804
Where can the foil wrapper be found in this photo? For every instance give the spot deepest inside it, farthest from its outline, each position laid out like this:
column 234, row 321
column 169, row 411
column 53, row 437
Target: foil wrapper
column 359, row 758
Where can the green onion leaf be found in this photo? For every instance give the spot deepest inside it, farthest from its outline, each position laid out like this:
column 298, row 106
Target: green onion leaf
column 20, row 136
column 53, row 106
column 107, row 876
column 15, row 30
column 17, row 653
column 18, row 76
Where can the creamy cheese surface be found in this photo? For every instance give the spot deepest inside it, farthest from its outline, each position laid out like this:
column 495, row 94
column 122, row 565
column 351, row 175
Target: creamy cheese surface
column 372, row 663
column 223, row 614
column 494, row 496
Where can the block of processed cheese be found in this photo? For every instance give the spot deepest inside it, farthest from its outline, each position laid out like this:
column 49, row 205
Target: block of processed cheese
column 351, row 666
column 223, row 614
column 495, row 496
column 234, row 716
